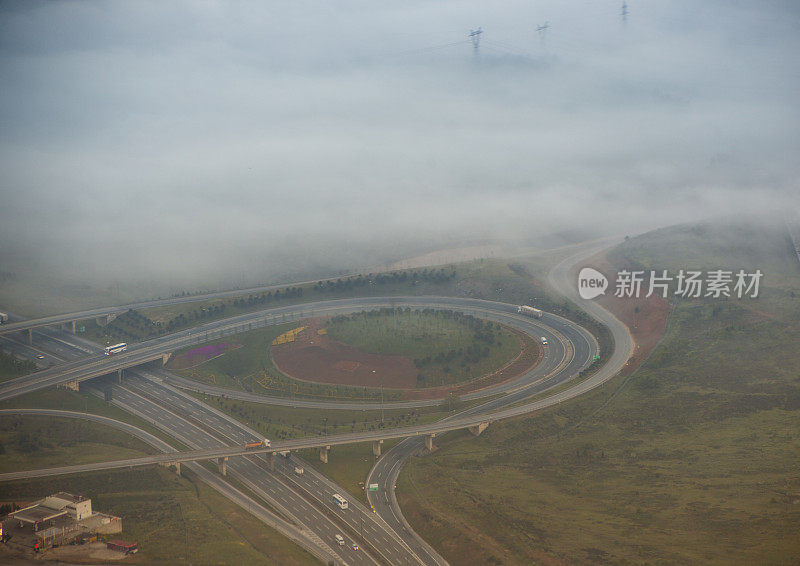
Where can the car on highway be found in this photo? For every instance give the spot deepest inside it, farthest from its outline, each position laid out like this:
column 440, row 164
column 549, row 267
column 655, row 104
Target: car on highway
column 340, row 540
column 40, row 356
column 355, row 546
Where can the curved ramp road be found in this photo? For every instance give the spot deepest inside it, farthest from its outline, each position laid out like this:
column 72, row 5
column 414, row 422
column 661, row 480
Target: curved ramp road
column 302, row 537
column 76, row 371
column 387, row 469
column 307, row 499
column 570, row 351
column 571, row 348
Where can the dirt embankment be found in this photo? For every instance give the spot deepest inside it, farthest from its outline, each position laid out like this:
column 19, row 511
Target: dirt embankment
column 317, row 358
column 646, row 318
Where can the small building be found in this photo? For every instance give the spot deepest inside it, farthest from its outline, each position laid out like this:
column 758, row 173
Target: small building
column 38, row 516
column 122, row 546
column 58, row 518
column 78, row 506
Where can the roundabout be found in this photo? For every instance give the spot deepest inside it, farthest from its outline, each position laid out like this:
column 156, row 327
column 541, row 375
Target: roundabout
column 570, row 350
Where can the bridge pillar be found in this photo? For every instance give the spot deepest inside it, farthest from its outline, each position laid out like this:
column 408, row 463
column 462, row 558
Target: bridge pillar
column 323, row 454
column 73, row 329
column 270, row 456
column 429, row 442
column 105, row 319
column 165, row 358
column 30, row 336
column 119, row 375
column 170, row 464
column 376, row 448
column 478, row 428
column 222, row 464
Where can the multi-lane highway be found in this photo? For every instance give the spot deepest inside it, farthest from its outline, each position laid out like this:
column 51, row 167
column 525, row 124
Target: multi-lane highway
column 308, row 504
column 202, row 427
column 571, row 350
column 387, row 469
column 298, row 534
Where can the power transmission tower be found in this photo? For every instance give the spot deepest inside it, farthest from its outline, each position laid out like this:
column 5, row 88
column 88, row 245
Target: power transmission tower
column 475, row 36
column 542, row 31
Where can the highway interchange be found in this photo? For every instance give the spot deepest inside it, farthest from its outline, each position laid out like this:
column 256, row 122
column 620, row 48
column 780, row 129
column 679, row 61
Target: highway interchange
column 304, row 502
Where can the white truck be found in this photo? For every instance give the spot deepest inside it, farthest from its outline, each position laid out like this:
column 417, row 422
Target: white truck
column 3, row 318
column 529, row 311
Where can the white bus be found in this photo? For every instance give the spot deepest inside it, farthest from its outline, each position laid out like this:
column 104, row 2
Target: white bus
column 340, row 501
column 116, row 349
column 529, row 311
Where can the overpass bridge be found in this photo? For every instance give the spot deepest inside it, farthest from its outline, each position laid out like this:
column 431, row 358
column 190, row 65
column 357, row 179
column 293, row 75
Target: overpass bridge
column 106, row 314
column 576, row 355
column 71, row 374
column 476, row 423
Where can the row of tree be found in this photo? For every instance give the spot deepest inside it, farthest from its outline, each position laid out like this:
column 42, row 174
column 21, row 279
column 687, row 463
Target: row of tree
column 414, row 277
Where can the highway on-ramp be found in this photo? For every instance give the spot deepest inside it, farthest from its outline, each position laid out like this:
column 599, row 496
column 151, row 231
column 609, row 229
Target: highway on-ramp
column 571, row 352
column 156, row 348
column 387, row 469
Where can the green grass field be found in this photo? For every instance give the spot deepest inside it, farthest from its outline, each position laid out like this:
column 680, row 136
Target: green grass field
column 692, row 460
column 81, row 402
column 445, row 346
column 236, row 368
column 31, row 442
column 282, row 423
column 175, row 520
column 250, row 368
column 12, row 367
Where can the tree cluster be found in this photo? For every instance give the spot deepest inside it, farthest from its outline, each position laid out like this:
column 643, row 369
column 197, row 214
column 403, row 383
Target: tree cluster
column 415, row 277
column 12, row 366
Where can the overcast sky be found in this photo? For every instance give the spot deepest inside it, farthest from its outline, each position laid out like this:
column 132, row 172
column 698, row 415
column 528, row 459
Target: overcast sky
column 178, row 139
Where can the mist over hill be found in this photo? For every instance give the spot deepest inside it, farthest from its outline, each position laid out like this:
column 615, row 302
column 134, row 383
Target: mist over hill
column 148, row 148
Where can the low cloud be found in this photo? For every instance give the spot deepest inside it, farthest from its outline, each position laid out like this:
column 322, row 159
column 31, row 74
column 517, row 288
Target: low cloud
column 248, row 142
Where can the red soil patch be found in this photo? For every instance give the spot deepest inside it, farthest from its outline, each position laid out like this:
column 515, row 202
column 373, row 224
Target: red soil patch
column 346, row 365
column 318, row 358
column 646, row 318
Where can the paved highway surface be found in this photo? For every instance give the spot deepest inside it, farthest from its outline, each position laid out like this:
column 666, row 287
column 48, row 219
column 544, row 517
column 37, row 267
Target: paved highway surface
column 305, row 538
column 54, row 320
column 387, row 469
column 137, row 354
column 571, row 350
column 560, row 356
column 200, row 425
